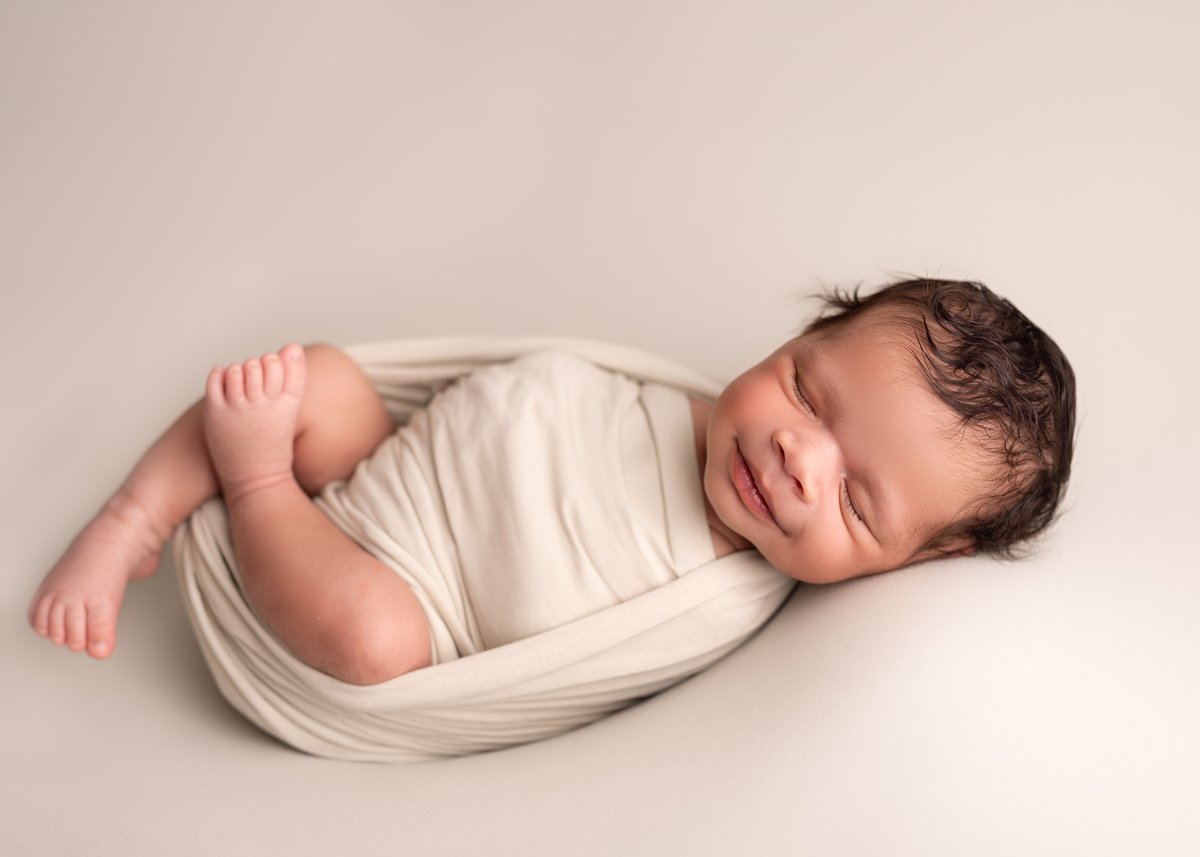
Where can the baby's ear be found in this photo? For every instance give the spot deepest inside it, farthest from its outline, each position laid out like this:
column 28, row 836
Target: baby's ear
column 962, row 546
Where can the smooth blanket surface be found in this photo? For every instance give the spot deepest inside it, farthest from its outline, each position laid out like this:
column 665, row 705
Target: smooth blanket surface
column 527, row 644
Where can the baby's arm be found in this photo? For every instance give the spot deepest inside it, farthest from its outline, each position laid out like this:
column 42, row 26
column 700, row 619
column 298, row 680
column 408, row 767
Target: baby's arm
column 336, row 607
column 340, row 420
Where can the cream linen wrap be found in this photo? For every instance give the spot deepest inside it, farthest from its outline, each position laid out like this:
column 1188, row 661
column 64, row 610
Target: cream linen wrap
column 521, row 691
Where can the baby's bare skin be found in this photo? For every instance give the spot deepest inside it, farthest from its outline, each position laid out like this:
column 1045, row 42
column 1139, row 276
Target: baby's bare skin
column 250, row 412
column 267, row 441
column 78, row 602
column 80, row 599
column 332, row 604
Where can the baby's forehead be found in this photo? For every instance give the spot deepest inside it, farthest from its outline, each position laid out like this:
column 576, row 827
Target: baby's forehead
column 874, row 343
column 884, row 324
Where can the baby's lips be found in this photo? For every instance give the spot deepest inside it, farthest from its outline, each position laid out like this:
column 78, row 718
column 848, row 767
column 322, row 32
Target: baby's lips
column 748, row 489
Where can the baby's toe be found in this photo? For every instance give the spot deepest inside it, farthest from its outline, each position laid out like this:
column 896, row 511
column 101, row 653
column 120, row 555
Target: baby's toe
column 39, row 615
column 294, row 369
column 214, row 387
column 56, row 628
column 253, row 372
column 75, row 619
column 272, row 375
column 101, row 629
column 235, row 385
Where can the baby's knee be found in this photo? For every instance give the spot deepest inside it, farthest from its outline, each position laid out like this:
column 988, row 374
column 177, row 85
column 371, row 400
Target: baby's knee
column 326, row 357
column 381, row 649
column 334, row 377
column 341, row 420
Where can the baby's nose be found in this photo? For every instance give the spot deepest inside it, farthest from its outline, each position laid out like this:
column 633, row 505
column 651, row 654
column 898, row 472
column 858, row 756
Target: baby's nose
column 807, row 459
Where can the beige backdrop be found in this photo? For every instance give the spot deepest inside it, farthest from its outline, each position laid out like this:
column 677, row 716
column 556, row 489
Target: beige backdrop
column 188, row 183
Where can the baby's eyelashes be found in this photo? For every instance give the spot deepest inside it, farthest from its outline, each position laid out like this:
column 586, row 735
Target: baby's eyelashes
column 799, row 391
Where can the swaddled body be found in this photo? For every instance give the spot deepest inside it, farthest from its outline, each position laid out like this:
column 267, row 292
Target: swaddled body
column 532, row 493
column 548, row 514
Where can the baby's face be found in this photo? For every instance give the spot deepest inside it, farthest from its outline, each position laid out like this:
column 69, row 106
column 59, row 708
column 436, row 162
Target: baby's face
column 834, row 459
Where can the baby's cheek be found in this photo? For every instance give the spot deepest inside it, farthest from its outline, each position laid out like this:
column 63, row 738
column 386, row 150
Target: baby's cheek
column 815, row 560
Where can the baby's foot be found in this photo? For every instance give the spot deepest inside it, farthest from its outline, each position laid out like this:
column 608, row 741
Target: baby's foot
column 250, row 412
column 78, row 602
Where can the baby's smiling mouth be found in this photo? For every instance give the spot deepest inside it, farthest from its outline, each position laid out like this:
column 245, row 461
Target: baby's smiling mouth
column 747, row 487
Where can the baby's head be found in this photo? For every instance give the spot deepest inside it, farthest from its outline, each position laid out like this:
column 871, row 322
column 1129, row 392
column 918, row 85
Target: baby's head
column 928, row 419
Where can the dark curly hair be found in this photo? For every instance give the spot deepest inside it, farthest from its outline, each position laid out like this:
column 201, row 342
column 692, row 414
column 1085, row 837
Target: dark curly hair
column 1005, row 379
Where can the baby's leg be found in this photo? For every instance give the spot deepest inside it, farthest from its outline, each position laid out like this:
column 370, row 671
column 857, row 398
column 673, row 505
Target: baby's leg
column 341, row 421
column 331, row 603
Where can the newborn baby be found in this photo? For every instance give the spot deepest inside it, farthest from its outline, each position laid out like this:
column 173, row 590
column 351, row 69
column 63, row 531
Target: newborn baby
column 927, row 420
